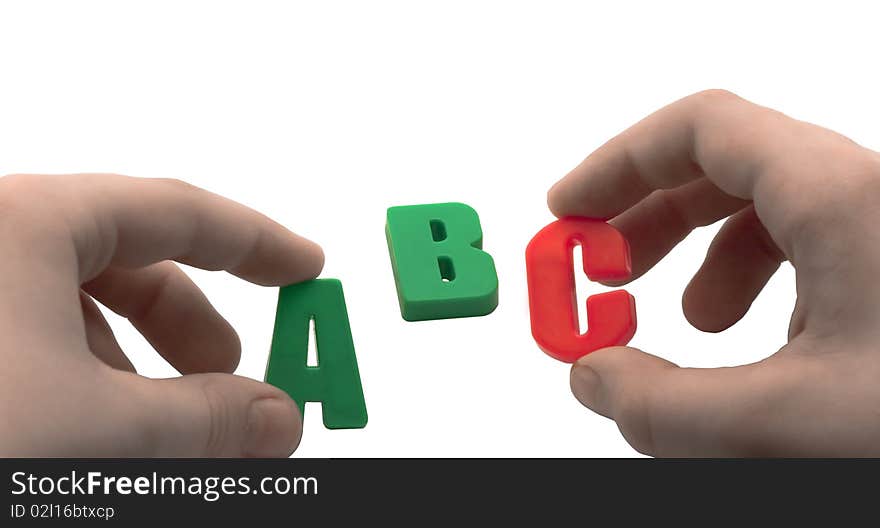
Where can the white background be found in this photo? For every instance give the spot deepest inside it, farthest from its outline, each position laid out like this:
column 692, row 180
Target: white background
column 323, row 115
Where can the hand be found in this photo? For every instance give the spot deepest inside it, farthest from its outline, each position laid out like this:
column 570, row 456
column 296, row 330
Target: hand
column 791, row 191
column 67, row 388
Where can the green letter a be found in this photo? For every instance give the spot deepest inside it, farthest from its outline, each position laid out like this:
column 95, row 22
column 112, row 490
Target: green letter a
column 335, row 382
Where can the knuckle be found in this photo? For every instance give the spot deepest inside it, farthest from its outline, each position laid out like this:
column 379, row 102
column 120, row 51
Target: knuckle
column 673, row 211
column 714, row 96
column 174, row 184
column 831, row 199
column 766, row 246
column 25, row 200
column 219, row 418
column 14, row 186
column 143, row 308
column 745, row 428
column 758, row 236
column 633, row 418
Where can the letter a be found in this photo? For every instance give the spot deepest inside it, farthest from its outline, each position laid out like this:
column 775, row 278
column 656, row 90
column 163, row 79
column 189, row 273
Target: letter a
column 335, row 381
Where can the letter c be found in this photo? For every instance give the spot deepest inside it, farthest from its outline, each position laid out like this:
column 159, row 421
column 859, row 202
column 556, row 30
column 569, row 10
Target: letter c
column 611, row 316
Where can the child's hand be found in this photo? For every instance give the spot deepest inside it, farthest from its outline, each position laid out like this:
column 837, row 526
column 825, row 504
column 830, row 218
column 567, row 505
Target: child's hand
column 793, row 191
column 67, row 388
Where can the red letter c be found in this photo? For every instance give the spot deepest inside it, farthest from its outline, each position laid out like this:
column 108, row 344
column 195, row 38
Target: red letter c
column 611, row 316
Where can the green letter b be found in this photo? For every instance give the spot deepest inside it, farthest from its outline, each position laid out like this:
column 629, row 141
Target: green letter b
column 438, row 262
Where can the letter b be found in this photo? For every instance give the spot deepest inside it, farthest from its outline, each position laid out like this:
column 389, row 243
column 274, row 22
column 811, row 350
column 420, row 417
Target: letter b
column 438, row 262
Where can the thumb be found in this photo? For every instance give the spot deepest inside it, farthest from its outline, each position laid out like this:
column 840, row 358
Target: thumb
column 615, row 382
column 214, row 415
column 664, row 410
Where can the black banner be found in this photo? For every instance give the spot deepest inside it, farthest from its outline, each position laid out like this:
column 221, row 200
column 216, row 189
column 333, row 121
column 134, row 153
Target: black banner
column 132, row 492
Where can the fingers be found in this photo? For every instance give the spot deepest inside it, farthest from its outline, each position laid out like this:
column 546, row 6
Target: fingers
column 659, row 222
column 795, row 172
column 740, row 261
column 712, row 134
column 100, row 336
column 133, row 222
column 213, row 415
column 664, row 410
column 173, row 314
column 62, row 231
column 813, row 190
column 121, row 414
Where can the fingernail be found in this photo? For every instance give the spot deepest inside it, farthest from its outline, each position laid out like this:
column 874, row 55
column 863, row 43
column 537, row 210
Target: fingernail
column 584, row 384
column 274, row 428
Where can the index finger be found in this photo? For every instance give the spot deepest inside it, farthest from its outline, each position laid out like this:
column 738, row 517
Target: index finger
column 61, row 231
column 134, row 222
column 712, row 134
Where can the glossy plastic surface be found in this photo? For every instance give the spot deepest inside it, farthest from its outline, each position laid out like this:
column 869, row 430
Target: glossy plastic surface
column 335, row 381
column 611, row 316
column 439, row 266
